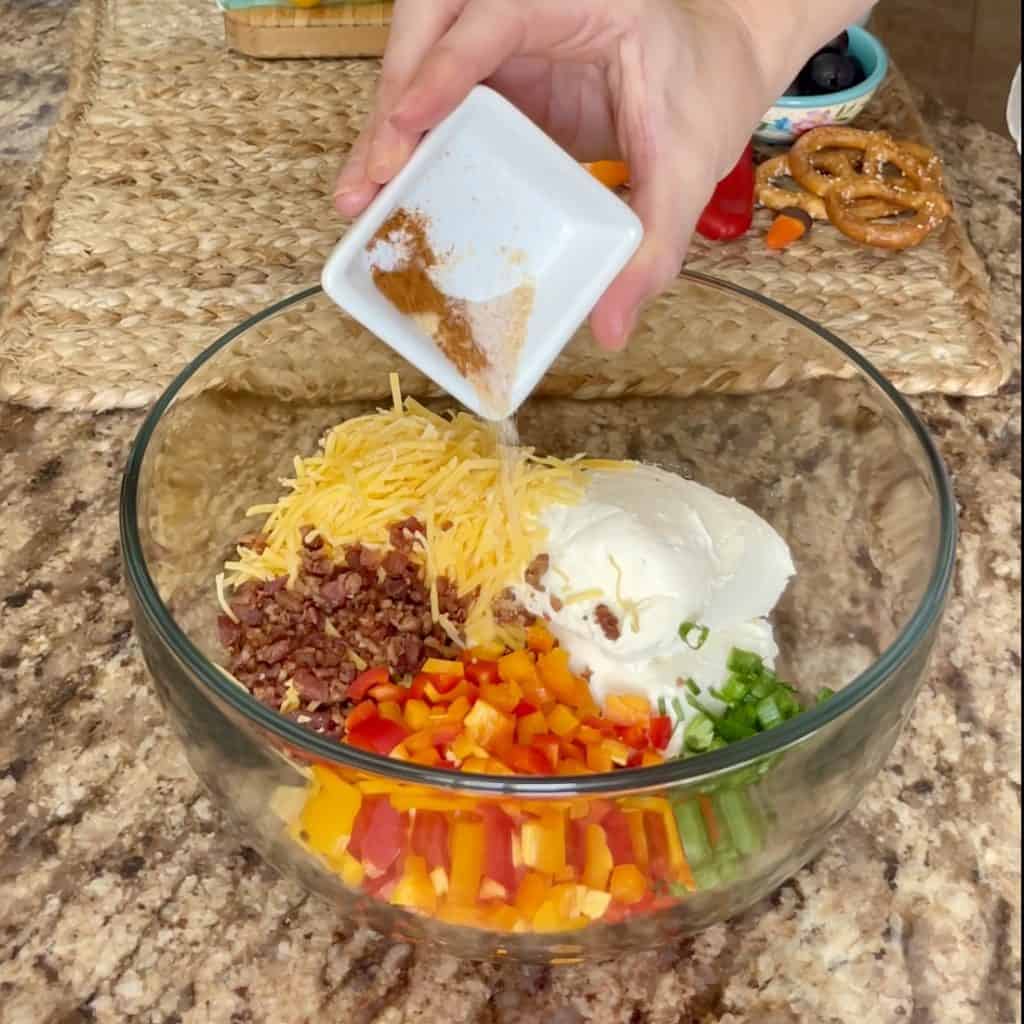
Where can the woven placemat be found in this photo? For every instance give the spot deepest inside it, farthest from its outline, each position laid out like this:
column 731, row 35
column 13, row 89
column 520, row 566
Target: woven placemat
column 185, row 187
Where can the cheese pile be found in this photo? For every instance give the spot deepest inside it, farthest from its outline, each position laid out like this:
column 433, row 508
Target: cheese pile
column 479, row 501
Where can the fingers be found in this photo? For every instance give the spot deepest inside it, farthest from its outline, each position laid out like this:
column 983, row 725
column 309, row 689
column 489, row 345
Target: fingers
column 415, row 28
column 479, row 42
column 669, row 192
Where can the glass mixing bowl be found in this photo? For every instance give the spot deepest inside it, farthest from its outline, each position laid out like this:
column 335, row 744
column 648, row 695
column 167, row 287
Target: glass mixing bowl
column 838, row 464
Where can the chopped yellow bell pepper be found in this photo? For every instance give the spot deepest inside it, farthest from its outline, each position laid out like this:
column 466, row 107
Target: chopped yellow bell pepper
column 466, row 848
column 595, row 904
column 638, row 837
column 329, row 814
column 392, row 711
column 486, row 652
column 440, row 667
column 504, row 918
column 414, row 888
column 544, row 843
column 417, row 714
column 486, row 724
column 598, row 861
column 351, row 870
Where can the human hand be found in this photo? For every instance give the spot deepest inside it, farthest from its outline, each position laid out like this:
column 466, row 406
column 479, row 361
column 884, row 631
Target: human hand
column 672, row 87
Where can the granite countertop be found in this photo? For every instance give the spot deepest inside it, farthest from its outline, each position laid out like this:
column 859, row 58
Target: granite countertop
column 123, row 895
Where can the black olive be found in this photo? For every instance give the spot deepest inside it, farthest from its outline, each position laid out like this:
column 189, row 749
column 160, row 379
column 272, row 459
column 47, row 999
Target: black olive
column 841, row 44
column 830, row 72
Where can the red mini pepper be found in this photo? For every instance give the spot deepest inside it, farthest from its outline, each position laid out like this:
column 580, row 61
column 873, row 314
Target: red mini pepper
column 731, row 210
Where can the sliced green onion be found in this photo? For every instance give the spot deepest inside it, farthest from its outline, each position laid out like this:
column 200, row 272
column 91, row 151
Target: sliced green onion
column 768, row 713
column 662, row 707
column 679, row 890
column 744, row 663
column 734, row 690
column 736, row 811
column 693, row 833
column 691, row 685
column 700, row 733
column 706, row 877
column 729, row 868
column 702, row 632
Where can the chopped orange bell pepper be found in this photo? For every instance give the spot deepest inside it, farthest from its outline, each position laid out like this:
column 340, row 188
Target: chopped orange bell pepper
column 505, row 696
column 611, row 173
column 530, row 726
column 599, row 759
column 533, row 891
column 628, row 884
column 539, row 638
column 517, row 667
column 627, row 709
column 562, row 722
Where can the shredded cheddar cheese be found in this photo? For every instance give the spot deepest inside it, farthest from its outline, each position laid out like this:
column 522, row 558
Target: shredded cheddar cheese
column 478, row 501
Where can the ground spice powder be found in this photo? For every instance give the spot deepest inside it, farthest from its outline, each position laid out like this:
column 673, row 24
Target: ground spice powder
column 410, row 289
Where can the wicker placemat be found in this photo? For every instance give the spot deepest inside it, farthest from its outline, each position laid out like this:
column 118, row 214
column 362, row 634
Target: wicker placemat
column 185, row 187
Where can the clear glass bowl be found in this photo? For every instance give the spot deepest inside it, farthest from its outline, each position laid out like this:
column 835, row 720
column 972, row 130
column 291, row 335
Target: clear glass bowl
column 839, row 465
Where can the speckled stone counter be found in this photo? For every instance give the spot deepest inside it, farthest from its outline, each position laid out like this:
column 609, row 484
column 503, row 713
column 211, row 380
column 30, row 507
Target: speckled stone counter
column 125, row 897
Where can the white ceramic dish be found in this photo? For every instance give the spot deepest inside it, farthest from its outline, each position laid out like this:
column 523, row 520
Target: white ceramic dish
column 508, row 207
column 1013, row 109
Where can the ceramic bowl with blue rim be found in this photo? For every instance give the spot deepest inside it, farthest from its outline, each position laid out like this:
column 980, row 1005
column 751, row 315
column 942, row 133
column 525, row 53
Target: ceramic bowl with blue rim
column 791, row 116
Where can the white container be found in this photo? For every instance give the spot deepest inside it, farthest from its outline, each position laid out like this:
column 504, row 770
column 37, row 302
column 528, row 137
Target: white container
column 1013, row 109
column 509, row 209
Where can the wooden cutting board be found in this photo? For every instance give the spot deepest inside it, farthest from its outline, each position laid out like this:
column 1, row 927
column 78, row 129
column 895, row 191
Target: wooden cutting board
column 290, row 32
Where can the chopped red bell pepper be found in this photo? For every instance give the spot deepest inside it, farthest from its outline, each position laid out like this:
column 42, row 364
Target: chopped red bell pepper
column 616, row 830
column 600, row 808
column 661, row 731
column 366, row 681
column 657, row 845
column 481, row 672
column 378, row 834
column 576, row 847
column 360, row 713
column 730, row 212
column 549, row 746
column 378, row 735
column 498, row 864
column 430, row 839
column 443, row 684
column 634, row 736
